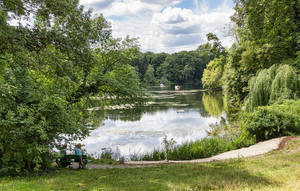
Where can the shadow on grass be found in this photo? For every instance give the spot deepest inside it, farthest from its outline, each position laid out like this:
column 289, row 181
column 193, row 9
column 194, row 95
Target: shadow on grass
column 211, row 176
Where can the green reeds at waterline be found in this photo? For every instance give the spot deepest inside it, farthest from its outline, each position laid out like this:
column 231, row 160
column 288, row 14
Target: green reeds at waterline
column 203, row 148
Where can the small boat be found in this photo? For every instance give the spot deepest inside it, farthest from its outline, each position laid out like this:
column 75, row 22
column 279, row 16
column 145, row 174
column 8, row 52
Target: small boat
column 177, row 87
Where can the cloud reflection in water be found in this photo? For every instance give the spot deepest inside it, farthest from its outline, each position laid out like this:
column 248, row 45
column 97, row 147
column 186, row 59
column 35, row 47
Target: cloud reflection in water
column 146, row 134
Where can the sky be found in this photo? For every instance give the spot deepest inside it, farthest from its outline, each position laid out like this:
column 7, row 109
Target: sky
column 166, row 25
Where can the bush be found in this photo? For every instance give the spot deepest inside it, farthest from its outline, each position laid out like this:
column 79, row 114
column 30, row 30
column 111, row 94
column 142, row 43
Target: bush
column 243, row 139
column 272, row 121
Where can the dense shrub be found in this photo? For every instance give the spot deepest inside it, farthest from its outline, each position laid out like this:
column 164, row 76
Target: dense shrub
column 276, row 120
column 243, row 139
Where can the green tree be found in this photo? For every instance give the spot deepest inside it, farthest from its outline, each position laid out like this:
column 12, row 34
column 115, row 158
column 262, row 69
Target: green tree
column 184, row 67
column 273, row 84
column 49, row 74
column 149, row 76
column 212, row 75
column 267, row 33
column 143, row 60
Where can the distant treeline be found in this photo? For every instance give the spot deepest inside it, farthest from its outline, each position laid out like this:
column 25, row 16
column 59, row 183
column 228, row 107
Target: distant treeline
column 185, row 67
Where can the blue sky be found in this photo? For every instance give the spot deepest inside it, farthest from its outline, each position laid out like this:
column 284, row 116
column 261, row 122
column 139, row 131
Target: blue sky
column 167, row 25
column 211, row 4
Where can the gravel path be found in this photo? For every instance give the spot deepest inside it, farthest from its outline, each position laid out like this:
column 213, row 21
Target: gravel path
column 254, row 150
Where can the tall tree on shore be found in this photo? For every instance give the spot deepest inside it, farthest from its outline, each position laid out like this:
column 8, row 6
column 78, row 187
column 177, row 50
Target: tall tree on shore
column 267, row 32
column 48, row 74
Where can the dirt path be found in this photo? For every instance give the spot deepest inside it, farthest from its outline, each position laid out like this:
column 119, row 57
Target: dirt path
column 254, row 150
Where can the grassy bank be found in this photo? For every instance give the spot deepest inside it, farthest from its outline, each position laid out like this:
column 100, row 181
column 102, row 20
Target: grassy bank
column 279, row 170
column 203, row 148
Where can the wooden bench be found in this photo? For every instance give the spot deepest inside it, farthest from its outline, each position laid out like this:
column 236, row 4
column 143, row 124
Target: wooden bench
column 67, row 160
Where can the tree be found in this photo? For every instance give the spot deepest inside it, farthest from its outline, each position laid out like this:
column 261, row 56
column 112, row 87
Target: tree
column 184, row 67
column 213, row 73
column 51, row 73
column 149, row 76
column 267, row 32
column 143, row 60
column 271, row 85
column 217, row 49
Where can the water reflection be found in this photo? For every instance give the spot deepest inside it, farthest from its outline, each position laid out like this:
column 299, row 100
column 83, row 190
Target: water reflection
column 213, row 103
column 182, row 115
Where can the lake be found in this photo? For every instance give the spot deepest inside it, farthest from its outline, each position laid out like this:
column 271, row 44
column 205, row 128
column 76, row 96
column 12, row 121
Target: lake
column 183, row 115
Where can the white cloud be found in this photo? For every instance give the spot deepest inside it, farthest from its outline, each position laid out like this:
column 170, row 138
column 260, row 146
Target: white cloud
column 184, row 29
column 161, row 25
column 122, row 7
column 176, row 21
column 162, row 2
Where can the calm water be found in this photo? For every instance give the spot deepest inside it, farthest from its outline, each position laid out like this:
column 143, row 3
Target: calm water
column 183, row 115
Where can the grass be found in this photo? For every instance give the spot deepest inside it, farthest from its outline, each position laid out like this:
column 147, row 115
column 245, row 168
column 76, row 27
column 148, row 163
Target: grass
column 203, row 148
column 104, row 161
column 278, row 170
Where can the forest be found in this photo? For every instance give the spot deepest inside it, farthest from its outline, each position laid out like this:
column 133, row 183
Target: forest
column 67, row 61
column 183, row 68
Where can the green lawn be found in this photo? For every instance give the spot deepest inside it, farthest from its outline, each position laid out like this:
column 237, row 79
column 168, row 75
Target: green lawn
column 279, row 170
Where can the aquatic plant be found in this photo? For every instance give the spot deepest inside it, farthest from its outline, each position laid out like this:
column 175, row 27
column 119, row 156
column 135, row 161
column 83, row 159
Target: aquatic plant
column 168, row 145
column 203, row 148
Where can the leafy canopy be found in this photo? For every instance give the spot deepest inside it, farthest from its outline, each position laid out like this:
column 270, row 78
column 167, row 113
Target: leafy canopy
column 51, row 72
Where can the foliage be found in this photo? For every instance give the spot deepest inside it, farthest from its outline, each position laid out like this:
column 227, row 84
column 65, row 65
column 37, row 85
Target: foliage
column 168, row 146
column 164, row 81
column 49, row 72
column 279, row 119
column 203, row 148
column 143, row 60
column 156, row 155
column 107, row 156
column 184, row 67
column 243, row 139
column 271, row 85
column 267, row 34
column 212, row 75
column 149, row 75
column 235, row 80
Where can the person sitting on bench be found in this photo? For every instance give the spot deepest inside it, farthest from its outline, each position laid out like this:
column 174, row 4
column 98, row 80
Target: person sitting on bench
column 63, row 151
column 79, row 152
column 64, row 160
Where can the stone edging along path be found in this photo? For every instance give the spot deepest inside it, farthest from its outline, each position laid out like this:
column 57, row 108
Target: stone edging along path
column 254, row 150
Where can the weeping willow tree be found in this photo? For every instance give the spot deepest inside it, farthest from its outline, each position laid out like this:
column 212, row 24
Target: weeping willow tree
column 273, row 84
